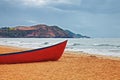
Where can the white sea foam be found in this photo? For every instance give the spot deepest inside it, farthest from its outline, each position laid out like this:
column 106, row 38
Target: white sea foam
column 109, row 47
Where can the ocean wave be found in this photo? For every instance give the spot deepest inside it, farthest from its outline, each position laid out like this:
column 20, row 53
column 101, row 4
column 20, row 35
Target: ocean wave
column 95, row 46
column 103, row 45
column 46, row 43
column 115, row 50
column 106, row 45
column 118, row 46
column 107, row 52
column 76, row 44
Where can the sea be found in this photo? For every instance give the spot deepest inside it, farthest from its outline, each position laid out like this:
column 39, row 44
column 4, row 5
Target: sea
column 99, row 46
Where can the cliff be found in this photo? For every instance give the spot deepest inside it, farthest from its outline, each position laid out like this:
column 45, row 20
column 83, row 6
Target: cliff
column 37, row 31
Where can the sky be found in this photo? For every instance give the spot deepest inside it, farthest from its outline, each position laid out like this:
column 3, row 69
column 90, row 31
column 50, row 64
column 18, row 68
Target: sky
column 94, row 18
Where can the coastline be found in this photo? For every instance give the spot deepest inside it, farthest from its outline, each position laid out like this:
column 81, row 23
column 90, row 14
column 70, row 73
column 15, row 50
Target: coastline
column 9, row 49
column 71, row 66
column 92, row 55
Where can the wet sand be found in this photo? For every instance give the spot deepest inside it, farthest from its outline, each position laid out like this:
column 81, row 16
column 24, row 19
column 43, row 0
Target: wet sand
column 70, row 67
column 10, row 49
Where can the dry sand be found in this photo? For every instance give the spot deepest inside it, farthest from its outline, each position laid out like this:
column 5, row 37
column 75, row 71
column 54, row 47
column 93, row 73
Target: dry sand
column 69, row 67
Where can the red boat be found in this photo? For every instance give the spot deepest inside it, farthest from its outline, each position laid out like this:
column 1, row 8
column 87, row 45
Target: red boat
column 51, row 53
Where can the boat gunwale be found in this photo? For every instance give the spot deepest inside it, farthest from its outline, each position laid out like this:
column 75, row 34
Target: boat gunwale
column 22, row 52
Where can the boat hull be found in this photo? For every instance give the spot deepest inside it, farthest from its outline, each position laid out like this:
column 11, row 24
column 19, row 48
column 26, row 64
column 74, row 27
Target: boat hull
column 51, row 53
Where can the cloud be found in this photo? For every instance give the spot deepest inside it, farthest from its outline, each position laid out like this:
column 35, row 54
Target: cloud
column 95, row 17
column 34, row 2
column 28, row 3
column 101, row 6
column 95, row 6
column 92, row 6
column 38, row 3
column 32, row 21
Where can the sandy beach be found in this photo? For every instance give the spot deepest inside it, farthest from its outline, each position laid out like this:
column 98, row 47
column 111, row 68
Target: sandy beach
column 71, row 66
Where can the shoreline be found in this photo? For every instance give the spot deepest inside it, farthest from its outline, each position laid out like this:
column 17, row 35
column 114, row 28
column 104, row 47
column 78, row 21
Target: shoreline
column 71, row 66
column 92, row 55
column 10, row 49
